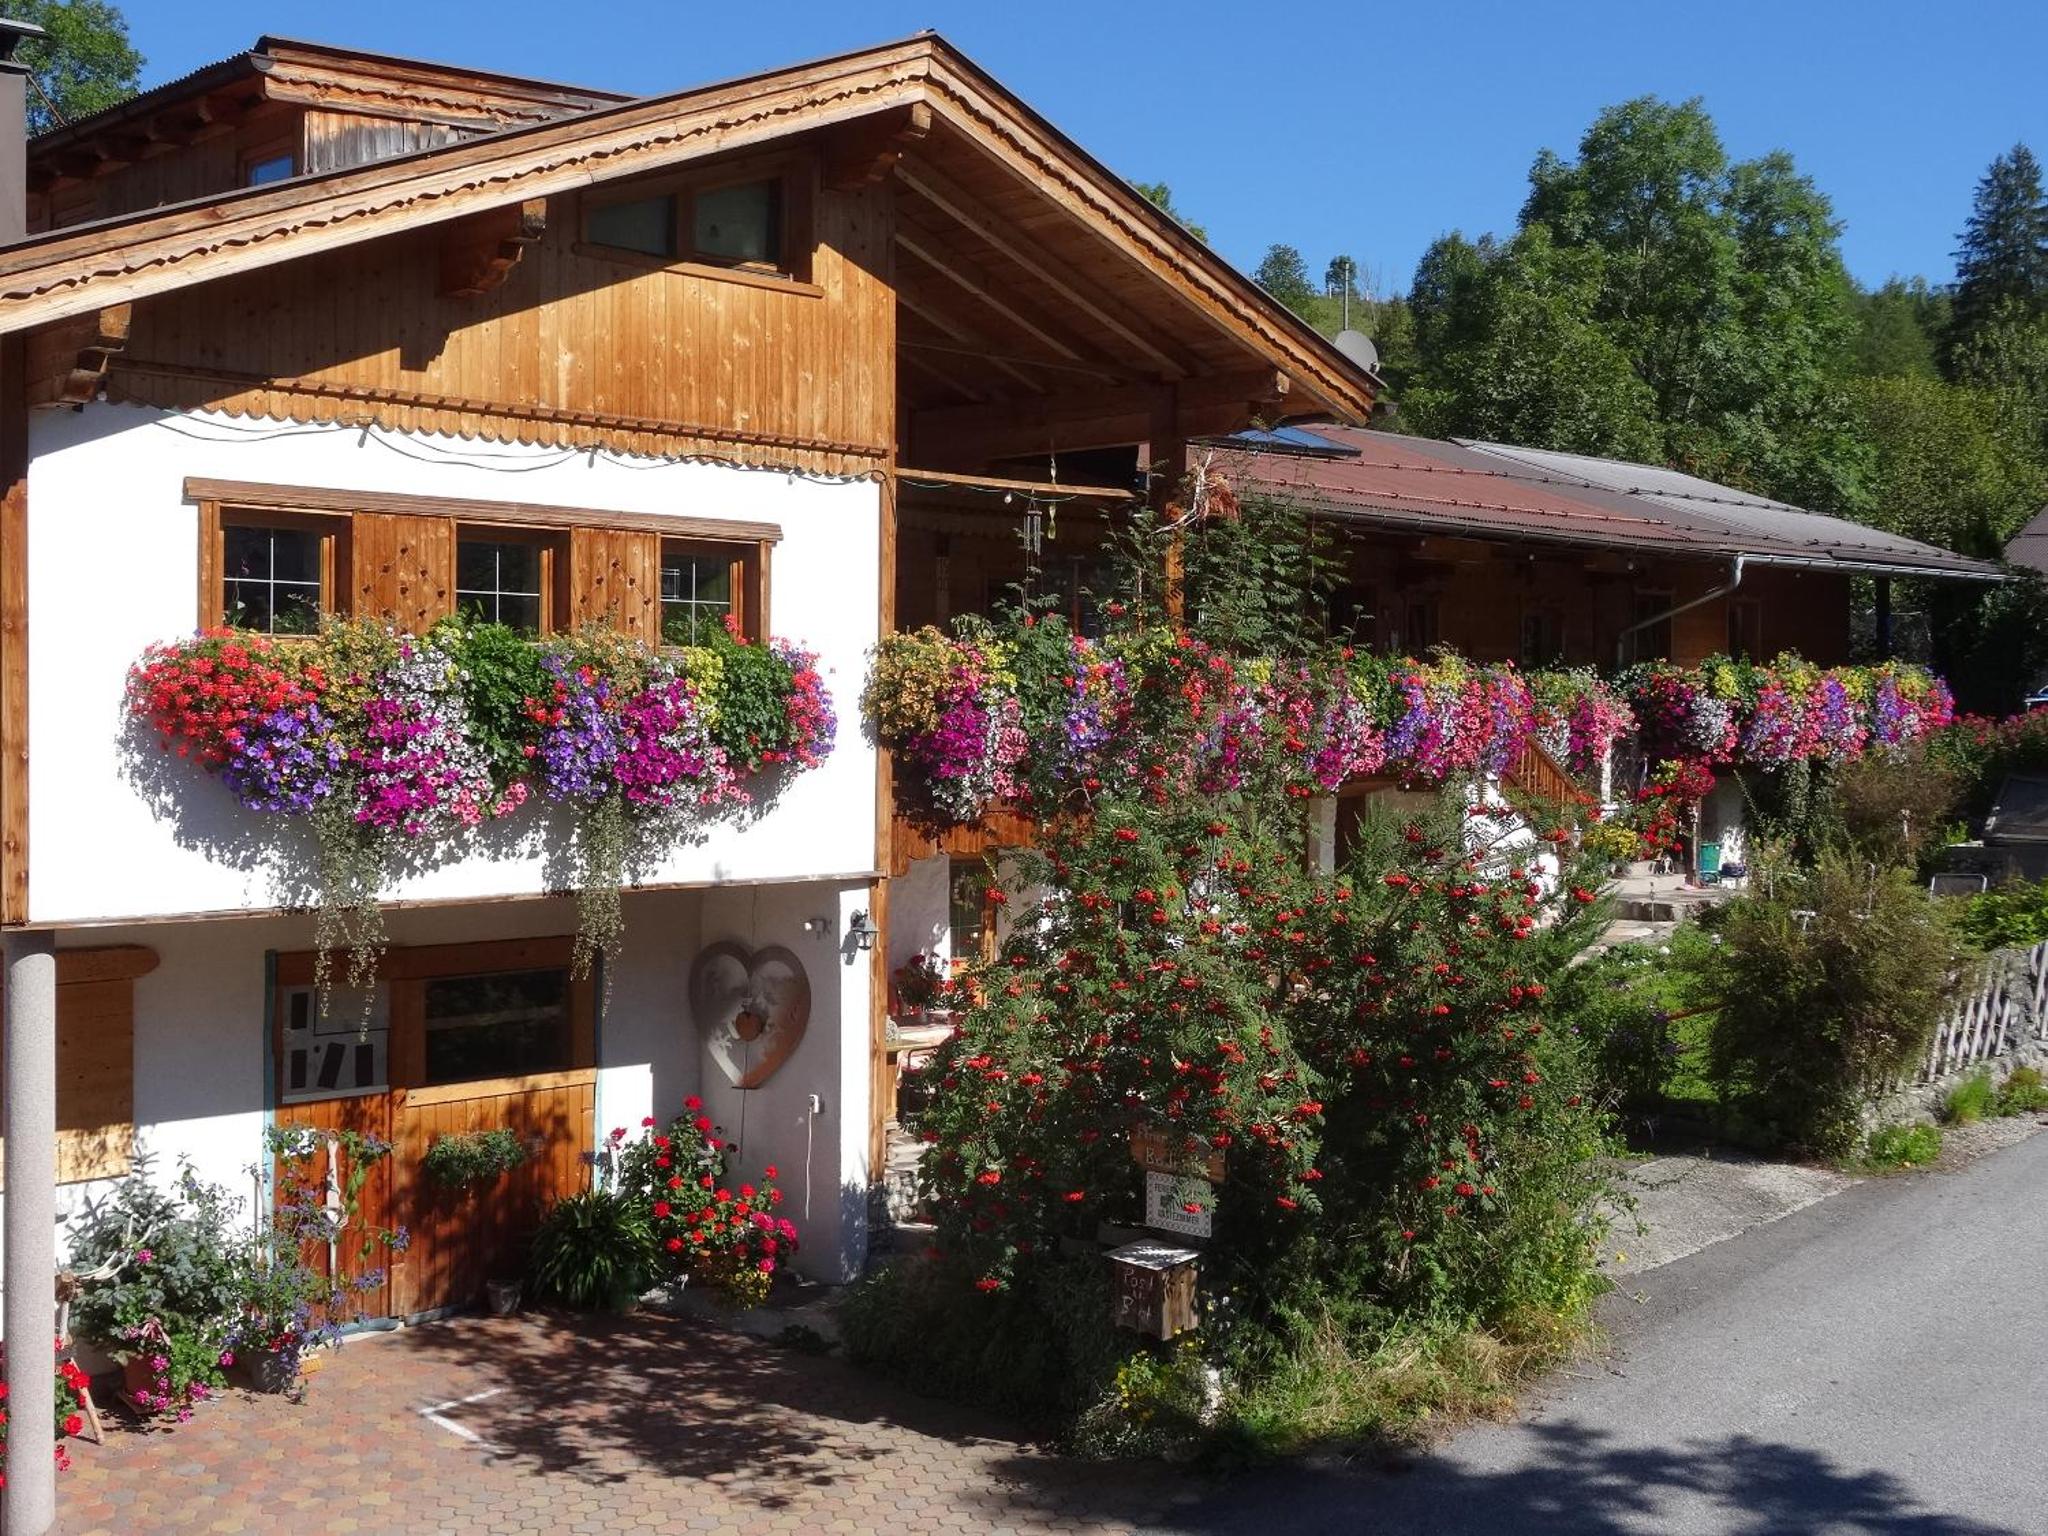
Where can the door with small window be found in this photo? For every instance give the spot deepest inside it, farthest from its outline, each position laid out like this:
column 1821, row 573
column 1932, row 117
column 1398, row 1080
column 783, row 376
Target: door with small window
column 453, row 1040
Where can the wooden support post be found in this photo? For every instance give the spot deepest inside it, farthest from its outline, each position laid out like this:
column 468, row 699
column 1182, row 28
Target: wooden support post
column 1884, row 618
column 31, row 1225
column 13, row 630
column 1165, row 464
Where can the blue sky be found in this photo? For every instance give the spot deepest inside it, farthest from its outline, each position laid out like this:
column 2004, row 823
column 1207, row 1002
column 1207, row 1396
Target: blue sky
column 1349, row 128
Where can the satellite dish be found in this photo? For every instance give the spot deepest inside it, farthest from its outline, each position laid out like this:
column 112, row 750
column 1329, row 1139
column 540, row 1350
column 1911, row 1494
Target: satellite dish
column 1358, row 346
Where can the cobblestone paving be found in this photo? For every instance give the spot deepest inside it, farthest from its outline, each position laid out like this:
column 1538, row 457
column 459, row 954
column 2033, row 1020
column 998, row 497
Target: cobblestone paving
column 639, row 1424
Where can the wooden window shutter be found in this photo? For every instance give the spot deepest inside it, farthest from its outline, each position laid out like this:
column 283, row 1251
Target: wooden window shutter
column 402, row 569
column 96, row 1060
column 615, row 578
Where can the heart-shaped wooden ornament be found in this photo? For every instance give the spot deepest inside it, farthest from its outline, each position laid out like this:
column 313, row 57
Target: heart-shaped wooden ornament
column 753, row 1006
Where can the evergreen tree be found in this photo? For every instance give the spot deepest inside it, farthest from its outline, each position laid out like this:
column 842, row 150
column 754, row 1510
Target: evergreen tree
column 2003, row 258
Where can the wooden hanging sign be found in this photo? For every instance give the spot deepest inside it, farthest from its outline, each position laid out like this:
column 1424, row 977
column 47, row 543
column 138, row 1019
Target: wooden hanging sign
column 1178, row 1153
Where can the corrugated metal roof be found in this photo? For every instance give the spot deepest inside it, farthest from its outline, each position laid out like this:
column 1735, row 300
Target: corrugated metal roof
column 1491, row 490
column 2029, row 547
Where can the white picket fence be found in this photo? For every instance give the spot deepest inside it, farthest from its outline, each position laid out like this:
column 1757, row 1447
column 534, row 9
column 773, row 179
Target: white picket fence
column 2007, row 1008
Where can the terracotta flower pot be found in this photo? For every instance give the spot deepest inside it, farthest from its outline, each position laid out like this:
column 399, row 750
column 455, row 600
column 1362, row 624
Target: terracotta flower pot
column 138, row 1378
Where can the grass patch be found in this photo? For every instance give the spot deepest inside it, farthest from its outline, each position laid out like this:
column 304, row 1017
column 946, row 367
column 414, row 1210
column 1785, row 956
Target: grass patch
column 1971, row 1100
column 2023, row 1093
column 1902, row 1146
column 1331, row 1390
column 1108, row 1394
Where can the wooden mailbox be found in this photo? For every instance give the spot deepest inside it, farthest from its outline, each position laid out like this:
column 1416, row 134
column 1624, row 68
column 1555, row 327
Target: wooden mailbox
column 1154, row 1288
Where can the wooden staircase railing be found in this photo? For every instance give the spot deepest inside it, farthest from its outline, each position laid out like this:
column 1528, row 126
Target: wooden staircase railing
column 1535, row 772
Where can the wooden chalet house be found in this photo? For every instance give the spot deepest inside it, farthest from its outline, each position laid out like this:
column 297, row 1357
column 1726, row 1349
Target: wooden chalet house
column 422, row 337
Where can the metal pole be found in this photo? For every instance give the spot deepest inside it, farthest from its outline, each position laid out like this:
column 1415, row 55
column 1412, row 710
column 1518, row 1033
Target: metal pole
column 30, row 1499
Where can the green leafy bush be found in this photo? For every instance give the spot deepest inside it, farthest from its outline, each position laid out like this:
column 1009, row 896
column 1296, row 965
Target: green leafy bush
column 167, row 1278
column 2023, row 1092
column 1042, row 1349
column 1902, row 1146
column 2010, row 916
column 1629, row 1008
column 1827, row 984
column 1971, row 1100
column 472, row 1157
column 594, row 1251
column 1408, row 1133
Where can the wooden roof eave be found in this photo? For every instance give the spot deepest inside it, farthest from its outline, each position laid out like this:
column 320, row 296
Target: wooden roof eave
column 1028, row 146
column 73, row 271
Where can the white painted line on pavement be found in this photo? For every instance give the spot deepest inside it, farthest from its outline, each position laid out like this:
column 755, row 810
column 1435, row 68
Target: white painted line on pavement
column 436, row 1416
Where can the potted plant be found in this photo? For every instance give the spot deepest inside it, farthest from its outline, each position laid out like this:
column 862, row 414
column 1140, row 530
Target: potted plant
column 917, row 986
column 284, row 1315
column 1612, row 843
column 468, row 1158
column 159, row 1283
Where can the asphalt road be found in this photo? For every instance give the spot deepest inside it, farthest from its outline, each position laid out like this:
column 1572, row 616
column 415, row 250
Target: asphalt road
column 1875, row 1365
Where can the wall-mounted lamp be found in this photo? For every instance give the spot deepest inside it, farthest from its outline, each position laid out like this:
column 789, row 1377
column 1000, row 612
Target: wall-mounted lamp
column 861, row 931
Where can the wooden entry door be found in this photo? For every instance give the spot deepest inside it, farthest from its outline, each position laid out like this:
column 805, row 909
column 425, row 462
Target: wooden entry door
column 468, row 1037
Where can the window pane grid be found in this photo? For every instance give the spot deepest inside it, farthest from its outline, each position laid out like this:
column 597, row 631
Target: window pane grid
column 271, row 579
column 499, row 582
column 696, row 597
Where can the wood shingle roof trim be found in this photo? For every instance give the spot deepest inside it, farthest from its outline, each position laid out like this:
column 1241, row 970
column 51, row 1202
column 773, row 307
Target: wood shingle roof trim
column 87, row 267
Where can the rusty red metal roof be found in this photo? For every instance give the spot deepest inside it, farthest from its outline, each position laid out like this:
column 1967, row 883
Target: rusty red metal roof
column 1490, row 491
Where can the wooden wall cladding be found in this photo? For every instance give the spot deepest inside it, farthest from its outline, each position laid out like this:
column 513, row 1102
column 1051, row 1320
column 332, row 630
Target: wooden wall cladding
column 402, row 569
column 574, row 348
column 96, row 1061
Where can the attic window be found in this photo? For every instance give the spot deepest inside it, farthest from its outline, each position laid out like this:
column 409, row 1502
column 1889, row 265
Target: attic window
column 745, row 224
column 741, row 223
column 646, row 225
column 266, row 166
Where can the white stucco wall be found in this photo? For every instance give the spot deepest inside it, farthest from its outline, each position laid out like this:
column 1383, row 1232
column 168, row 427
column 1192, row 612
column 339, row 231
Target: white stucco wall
column 200, row 1026
column 113, row 553
column 820, row 1154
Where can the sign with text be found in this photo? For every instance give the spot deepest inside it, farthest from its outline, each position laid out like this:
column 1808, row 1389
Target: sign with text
column 1168, row 1197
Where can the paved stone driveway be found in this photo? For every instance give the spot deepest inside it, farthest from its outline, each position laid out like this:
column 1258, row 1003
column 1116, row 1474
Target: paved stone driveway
column 638, row 1424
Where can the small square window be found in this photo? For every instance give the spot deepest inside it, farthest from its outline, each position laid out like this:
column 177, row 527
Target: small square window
column 699, row 591
column 646, row 225
column 501, row 580
column 276, row 577
column 263, row 169
column 741, row 223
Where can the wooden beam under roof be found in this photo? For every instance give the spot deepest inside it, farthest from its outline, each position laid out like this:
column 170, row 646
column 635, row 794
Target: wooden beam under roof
column 964, row 209
column 868, row 152
column 1099, row 418
column 972, row 344
column 926, row 479
column 974, row 281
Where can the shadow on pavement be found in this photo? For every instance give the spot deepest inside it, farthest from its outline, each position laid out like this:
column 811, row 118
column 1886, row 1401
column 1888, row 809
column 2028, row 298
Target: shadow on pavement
column 1577, row 1481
